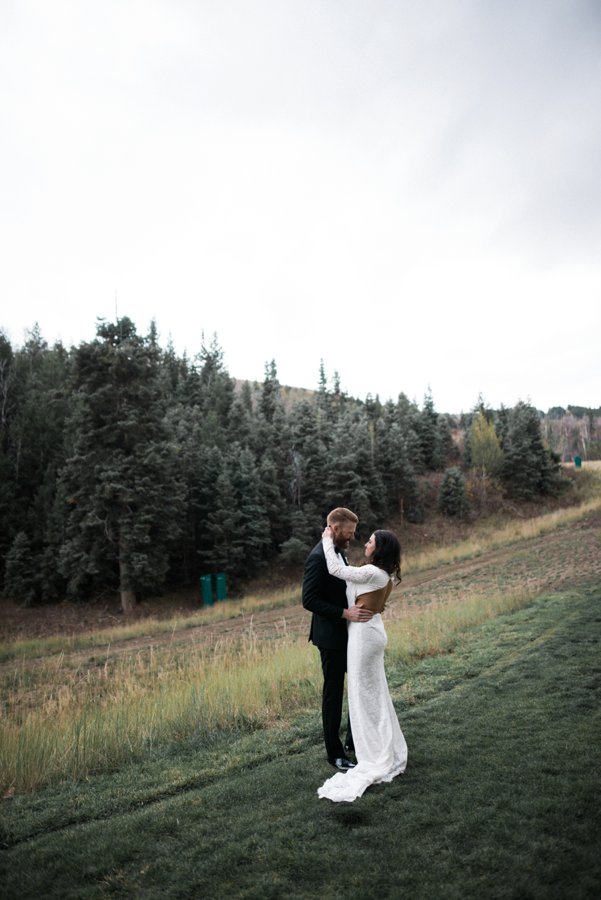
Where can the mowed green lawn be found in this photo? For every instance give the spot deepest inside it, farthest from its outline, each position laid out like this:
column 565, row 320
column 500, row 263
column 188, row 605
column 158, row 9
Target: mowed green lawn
column 500, row 798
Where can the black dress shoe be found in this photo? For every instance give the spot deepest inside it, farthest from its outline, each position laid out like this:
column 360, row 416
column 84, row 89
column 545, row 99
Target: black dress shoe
column 342, row 763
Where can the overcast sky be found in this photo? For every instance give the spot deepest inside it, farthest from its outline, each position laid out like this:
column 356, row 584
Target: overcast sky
column 410, row 191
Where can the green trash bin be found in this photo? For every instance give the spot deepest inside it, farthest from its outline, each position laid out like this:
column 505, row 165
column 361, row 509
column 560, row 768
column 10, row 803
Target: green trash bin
column 220, row 586
column 578, row 462
column 206, row 590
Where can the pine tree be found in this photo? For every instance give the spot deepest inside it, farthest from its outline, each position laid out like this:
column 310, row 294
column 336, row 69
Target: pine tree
column 224, row 524
column 217, row 385
column 270, row 392
column 350, row 477
column 273, row 501
column 303, row 535
column 434, row 433
column 408, row 418
column 121, row 488
column 174, row 373
column 209, row 483
column 338, row 398
column 34, row 403
column 529, row 469
column 8, row 523
column 307, row 459
column 452, row 499
column 254, row 534
column 445, row 447
column 427, row 430
column 397, row 473
column 239, row 522
column 240, row 426
column 21, row 582
column 323, row 397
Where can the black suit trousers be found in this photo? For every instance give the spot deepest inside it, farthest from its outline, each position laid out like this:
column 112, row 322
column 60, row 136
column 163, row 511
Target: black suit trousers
column 333, row 664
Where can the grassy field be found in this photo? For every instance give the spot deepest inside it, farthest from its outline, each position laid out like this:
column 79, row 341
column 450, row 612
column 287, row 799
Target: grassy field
column 190, row 768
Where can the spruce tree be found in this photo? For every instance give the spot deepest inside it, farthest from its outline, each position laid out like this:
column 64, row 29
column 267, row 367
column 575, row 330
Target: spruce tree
column 452, row 499
column 239, row 522
column 210, row 486
column 254, row 534
column 427, row 430
column 240, row 426
column 270, row 392
column 273, row 501
column 323, row 396
column 304, row 533
column 21, row 581
column 529, row 469
column 397, row 473
column 434, row 433
column 408, row 416
column 122, row 492
column 350, row 477
column 216, row 391
column 223, row 524
column 32, row 415
column 445, row 447
column 8, row 521
column 307, row 458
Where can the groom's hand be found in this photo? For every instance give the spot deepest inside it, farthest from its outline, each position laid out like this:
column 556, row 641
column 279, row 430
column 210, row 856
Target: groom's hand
column 357, row 614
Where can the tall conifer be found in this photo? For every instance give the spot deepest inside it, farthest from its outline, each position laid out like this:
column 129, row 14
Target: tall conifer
column 122, row 492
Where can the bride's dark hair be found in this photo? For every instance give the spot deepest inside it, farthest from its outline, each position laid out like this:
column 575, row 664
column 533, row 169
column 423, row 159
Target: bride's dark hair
column 387, row 554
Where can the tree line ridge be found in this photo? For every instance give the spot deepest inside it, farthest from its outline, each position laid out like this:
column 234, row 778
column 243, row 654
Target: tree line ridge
column 124, row 466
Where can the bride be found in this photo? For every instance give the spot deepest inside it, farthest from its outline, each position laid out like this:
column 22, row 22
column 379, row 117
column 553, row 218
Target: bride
column 379, row 743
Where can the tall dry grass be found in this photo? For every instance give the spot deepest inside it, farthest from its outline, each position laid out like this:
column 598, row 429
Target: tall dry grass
column 422, row 631
column 64, row 722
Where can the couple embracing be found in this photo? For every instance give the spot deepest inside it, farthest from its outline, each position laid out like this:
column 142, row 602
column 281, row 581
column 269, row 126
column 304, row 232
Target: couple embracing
column 346, row 626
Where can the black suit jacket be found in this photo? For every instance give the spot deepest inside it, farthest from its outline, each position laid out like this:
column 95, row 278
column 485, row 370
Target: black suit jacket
column 324, row 596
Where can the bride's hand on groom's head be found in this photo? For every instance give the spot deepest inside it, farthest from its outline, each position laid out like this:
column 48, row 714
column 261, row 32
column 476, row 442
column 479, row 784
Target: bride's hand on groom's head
column 327, row 532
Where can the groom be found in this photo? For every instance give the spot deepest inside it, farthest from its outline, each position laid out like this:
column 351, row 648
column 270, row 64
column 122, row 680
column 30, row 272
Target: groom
column 325, row 596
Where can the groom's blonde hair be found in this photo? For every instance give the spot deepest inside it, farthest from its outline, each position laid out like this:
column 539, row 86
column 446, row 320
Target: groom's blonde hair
column 341, row 514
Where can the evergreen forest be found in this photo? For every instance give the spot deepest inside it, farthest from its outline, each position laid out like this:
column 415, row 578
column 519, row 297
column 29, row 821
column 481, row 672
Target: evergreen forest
column 126, row 467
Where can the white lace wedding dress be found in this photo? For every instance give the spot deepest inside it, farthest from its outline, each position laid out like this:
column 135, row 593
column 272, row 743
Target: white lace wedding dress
column 379, row 742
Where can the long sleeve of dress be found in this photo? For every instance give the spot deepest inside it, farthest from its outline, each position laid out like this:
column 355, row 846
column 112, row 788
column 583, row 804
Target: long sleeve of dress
column 369, row 574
